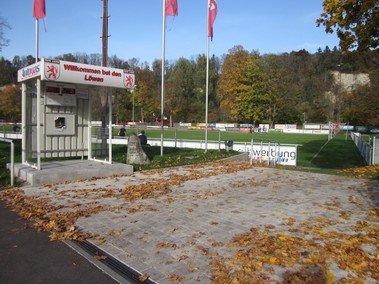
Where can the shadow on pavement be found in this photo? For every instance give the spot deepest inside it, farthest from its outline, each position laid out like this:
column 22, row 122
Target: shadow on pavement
column 29, row 256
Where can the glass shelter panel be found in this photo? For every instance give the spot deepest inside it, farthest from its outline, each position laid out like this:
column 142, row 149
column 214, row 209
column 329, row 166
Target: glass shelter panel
column 100, row 143
column 31, row 125
column 99, row 125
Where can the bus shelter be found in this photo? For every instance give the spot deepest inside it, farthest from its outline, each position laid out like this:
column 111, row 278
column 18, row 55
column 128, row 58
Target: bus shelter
column 57, row 110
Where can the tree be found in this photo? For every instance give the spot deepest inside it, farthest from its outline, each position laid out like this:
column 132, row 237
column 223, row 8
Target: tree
column 68, row 57
column 199, row 92
column 284, row 103
column 213, row 103
column 227, row 89
column 10, row 107
column 355, row 21
column 245, row 91
column 3, row 41
column 122, row 105
column 180, row 91
column 255, row 92
column 363, row 104
column 8, row 75
column 147, row 93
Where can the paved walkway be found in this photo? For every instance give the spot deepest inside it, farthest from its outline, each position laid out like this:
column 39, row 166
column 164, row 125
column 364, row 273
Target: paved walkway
column 27, row 256
column 225, row 222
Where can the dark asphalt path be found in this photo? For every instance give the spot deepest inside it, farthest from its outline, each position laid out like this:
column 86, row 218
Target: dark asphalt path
column 28, row 256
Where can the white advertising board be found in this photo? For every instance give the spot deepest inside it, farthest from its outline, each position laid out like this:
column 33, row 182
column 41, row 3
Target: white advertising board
column 285, row 126
column 312, row 126
column 29, row 72
column 64, row 71
column 283, row 154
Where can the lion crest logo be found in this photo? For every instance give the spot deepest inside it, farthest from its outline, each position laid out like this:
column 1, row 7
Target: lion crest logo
column 129, row 80
column 52, row 70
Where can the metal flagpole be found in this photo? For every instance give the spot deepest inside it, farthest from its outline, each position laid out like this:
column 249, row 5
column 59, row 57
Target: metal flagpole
column 38, row 103
column 211, row 16
column 206, row 96
column 23, row 123
column 39, row 87
column 163, row 70
column 37, row 39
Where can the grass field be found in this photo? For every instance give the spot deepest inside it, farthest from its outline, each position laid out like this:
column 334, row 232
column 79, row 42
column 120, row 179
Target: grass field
column 314, row 151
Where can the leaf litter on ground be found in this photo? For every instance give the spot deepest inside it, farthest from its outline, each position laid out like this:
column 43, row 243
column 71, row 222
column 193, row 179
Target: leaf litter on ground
column 303, row 254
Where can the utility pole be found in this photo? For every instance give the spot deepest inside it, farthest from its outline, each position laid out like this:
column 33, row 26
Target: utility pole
column 104, row 91
column 105, row 34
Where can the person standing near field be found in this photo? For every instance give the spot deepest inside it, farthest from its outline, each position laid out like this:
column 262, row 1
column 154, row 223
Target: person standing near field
column 142, row 138
column 122, row 131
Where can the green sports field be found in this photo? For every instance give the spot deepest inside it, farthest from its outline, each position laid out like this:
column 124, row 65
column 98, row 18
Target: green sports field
column 314, row 150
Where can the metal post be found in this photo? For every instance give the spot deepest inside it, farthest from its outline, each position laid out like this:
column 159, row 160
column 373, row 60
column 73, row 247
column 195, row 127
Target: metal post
column 37, row 39
column 304, row 122
column 23, row 124
column 133, row 105
column 175, row 137
column 219, row 139
column 39, row 124
column 206, row 97
column 268, row 152
column 163, row 72
column 12, row 163
column 276, row 153
column 374, row 151
column 251, row 151
column 110, row 126
column 89, row 132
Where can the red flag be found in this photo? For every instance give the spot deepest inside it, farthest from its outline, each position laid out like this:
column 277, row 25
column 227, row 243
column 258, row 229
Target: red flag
column 39, row 10
column 212, row 13
column 171, row 7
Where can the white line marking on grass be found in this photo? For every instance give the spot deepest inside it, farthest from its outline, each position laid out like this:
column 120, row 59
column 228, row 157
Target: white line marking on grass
column 320, row 150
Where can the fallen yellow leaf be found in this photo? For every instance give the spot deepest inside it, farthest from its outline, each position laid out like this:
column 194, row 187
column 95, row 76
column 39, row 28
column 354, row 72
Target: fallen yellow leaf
column 143, row 277
column 272, row 260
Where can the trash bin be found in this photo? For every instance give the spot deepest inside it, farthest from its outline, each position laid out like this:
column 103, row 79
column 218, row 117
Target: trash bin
column 228, row 145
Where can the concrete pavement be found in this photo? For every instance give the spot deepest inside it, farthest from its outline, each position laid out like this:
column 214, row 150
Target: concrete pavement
column 27, row 256
column 229, row 221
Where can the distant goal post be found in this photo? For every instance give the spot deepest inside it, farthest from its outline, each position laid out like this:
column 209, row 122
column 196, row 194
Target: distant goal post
column 334, row 128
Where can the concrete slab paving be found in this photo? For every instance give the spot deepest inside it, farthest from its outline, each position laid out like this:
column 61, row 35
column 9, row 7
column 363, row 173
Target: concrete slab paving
column 69, row 170
column 193, row 224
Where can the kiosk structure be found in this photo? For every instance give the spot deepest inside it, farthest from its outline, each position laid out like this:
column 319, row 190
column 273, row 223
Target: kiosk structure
column 57, row 110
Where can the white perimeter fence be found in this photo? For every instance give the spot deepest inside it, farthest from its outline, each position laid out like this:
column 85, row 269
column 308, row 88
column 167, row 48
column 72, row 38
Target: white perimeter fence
column 369, row 152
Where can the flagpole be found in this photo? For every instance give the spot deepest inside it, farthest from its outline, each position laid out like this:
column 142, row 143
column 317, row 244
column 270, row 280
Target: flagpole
column 211, row 16
column 163, row 71
column 38, row 103
column 37, row 39
column 206, row 97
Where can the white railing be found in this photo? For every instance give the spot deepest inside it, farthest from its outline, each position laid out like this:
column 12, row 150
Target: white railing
column 11, row 135
column 365, row 148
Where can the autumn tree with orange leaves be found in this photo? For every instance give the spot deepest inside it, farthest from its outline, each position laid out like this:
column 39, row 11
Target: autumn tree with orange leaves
column 355, row 22
column 244, row 89
column 10, row 107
